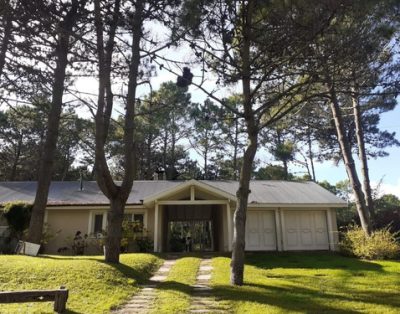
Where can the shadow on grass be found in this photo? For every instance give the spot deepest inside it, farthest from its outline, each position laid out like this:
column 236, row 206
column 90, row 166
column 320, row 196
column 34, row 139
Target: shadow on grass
column 141, row 275
column 311, row 260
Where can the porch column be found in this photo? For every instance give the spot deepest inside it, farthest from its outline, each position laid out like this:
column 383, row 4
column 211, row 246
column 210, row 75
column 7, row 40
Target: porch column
column 156, row 226
column 278, row 230
column 330, row 232
column 229, row 222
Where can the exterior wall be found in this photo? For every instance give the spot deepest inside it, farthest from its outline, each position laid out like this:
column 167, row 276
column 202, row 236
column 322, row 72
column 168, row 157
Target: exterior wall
column 280, row 223
column 335, row 231
column 66, row 223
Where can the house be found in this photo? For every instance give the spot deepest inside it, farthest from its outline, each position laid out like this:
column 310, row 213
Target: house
column 282, row 215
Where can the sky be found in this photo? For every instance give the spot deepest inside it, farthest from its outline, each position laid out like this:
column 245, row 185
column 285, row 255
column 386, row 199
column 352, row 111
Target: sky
column 384, row 171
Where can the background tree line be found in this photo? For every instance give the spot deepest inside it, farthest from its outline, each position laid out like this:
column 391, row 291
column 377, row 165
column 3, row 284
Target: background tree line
column 312, row 78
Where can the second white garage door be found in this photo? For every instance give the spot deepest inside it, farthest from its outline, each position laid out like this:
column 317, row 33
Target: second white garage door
column 305, row 230
column 260, row 231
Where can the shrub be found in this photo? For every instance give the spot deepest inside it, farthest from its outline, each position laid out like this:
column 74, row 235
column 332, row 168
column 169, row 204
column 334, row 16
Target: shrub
column 18, row 215
column 382, row 244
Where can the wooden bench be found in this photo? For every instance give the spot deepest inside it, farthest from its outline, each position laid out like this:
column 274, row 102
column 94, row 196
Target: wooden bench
column 59, row 297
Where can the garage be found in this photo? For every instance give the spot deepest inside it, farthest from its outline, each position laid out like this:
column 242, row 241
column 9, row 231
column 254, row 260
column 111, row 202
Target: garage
column 260, row 231
column 305, row 230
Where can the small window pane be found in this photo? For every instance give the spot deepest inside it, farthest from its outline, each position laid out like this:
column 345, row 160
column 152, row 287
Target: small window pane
column 138, row 218
column 98, row 223
column 128, row 217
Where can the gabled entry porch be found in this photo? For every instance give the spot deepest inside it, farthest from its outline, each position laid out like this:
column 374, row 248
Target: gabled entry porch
column 192, row 217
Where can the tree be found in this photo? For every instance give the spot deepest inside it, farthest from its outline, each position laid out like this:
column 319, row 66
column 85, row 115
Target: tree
column 130, row 16
column 261, row 45
column 358, row 43
column 70, row 14
column 206, row 138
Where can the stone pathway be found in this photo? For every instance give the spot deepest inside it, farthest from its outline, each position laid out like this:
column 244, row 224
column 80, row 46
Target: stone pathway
column 143, row 301
column 203, row 300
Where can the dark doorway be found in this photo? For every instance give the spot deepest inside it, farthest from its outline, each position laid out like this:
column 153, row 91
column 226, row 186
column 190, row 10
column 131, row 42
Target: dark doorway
column 202, row 223
column 190, row 236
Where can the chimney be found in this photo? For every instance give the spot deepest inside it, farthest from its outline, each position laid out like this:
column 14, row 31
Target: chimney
column 155, row 176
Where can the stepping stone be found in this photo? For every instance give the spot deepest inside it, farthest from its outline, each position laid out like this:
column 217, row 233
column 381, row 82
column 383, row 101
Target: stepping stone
column 167, row 263
column 205, row 268
column 164, row 269
column 204, row 277
column 158, row 278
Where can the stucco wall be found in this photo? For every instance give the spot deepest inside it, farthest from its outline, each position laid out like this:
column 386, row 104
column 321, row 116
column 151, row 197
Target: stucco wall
column 66, row 223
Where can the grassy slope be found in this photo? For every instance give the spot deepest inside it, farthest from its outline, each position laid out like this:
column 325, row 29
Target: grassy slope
column 94, row 286
column 310, row 283
column 174, row 294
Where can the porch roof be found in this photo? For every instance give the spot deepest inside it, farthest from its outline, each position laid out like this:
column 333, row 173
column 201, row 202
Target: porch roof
column 277, row 193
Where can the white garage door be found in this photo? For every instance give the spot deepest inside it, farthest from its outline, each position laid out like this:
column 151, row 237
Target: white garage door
column 305, row 230
column 260, row 231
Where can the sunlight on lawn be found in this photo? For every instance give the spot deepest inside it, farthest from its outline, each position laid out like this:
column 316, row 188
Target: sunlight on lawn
column 310, row 282
column 94, row 286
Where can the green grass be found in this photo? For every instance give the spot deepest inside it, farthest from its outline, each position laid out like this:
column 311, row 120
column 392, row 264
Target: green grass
column 94, row 286
column 174, row 293
column 310, row 283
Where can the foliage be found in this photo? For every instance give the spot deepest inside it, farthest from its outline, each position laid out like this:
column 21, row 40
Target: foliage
column 135, row 237
column 387, row 212
column 94, row 286
column 18, row 215
column 381, row 244
column 309, row 283
column 273, row 172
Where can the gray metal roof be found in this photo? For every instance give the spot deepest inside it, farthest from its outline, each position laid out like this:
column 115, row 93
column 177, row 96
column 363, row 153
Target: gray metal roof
column 262, row 192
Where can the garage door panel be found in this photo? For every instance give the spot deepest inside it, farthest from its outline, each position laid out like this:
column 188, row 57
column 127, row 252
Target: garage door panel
column 305, row 230
column 306, row 237
column 292, row 238
column 260, row 231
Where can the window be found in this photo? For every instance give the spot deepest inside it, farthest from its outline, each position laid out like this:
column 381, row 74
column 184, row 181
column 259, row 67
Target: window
column 137, row 221
column 98, row 223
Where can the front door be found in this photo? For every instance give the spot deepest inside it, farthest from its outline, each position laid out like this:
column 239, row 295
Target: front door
column 190, row 236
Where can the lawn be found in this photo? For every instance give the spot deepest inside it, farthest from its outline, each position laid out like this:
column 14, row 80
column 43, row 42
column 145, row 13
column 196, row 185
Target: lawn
column 310, row 283
column 174, row 293
column 94, row 286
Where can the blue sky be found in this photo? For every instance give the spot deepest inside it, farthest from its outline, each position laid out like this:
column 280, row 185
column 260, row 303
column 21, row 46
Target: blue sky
column 386, row 169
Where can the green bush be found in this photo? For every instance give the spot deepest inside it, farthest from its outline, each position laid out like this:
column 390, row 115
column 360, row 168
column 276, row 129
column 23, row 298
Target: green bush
column 382, row 244
column 18, row 215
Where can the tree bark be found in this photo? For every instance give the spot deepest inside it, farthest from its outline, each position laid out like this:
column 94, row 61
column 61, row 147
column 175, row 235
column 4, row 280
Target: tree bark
column 349, row 162
column 239, row 217
column 6, row 36
column 310, row 154
column 116, row 194
column 362, row 153
column 242, row 194
column 16, row 159
column 53, row 123
column 235, row 150
column 115, row 216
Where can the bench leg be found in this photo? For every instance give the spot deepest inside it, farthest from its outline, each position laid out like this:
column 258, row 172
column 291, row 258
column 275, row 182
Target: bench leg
column 60, row 302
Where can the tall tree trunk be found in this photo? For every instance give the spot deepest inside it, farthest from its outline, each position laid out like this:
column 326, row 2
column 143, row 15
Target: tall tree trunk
column 8, row 16
column 362, row 153
column 242, row 194
column 116, row 194
column 16, row 159
column 53, row 123
column 239, row 217
column 311, row 155
column 115, row 216
column 349, row 163
column 235, row 150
